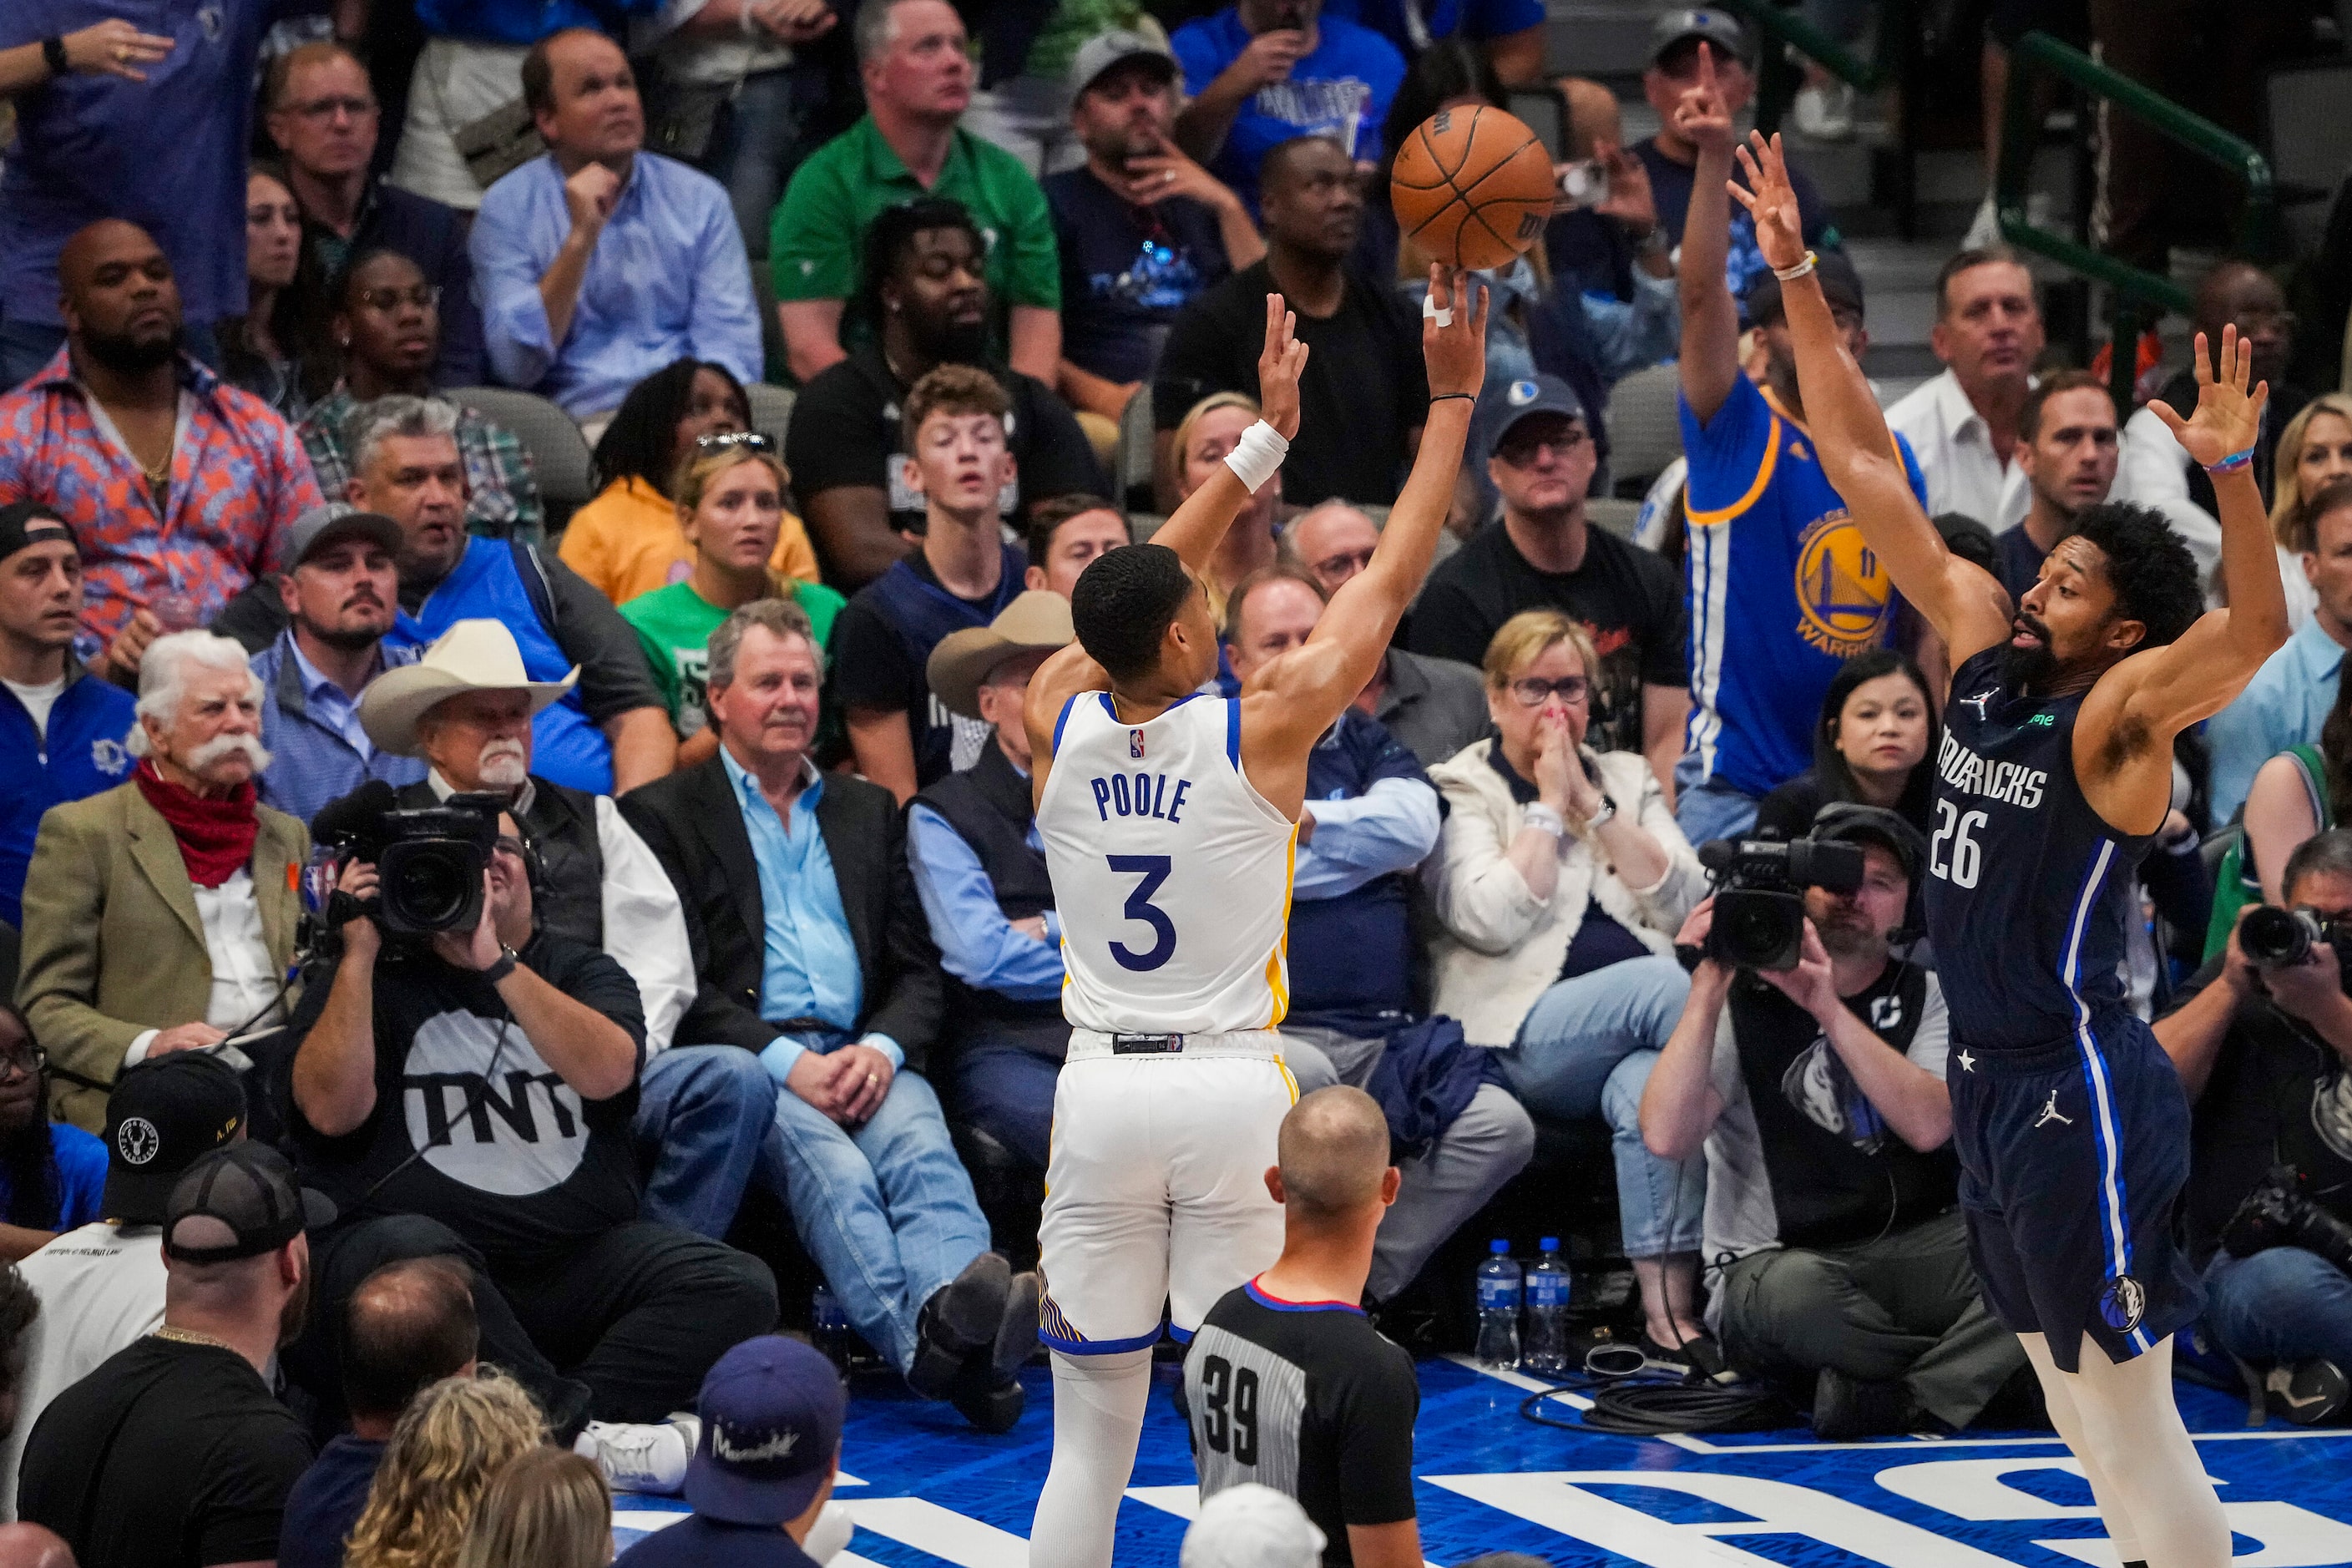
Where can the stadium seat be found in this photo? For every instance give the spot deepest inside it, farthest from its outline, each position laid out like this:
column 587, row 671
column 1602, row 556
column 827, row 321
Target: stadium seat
column 1613, row 513
column 1134, row 466
column 1644, row 433
column 771, row 411
column 557, row 451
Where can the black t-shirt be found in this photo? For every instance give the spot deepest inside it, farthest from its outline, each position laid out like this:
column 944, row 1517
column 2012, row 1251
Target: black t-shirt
column 2276, row 1096
column 168, row 1456
column 512, row 1158
column 1307, row 1398
column 1629, row 601
column 845, row 431
column 880, row 659
column 1363, row 389
column 1127, row 270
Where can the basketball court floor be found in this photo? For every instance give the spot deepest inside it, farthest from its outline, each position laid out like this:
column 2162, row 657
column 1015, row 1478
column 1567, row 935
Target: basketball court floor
column 927, row 1490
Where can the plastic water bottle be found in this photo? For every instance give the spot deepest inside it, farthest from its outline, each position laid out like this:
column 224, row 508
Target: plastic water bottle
column 1547, row 1312
column 829, row 1329
column 1499, row 1309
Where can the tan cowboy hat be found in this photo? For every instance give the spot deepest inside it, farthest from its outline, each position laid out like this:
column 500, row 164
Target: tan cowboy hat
column 471, row 655
column 1035, row 622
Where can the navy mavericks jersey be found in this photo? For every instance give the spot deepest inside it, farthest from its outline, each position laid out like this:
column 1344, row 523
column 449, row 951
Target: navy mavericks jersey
column 2028, row 887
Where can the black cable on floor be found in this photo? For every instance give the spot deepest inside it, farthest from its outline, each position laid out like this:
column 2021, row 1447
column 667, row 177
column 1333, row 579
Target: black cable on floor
column 1653, row 1407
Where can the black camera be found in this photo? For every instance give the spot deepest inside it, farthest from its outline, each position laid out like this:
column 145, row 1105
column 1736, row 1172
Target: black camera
column 1760, row 907
column 429, row 859
column 2278, row 1212
column 2274, row 937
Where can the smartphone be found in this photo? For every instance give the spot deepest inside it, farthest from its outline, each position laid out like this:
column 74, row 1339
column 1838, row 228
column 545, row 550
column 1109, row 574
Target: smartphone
column 1586, row 184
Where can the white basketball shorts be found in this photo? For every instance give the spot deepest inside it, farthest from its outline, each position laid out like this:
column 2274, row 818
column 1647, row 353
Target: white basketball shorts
column 1155, row 1186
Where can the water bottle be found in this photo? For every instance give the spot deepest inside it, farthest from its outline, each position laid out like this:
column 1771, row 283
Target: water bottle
column 1547, row 1312
column 829, row 1329
column 1499, row 1309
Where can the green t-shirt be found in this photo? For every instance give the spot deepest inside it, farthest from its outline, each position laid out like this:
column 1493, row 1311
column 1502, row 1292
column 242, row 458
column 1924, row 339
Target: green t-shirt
column 816, row 240
column 674, row 625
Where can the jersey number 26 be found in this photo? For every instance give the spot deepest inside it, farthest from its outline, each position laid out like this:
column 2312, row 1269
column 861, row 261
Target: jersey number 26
column 1958, row 828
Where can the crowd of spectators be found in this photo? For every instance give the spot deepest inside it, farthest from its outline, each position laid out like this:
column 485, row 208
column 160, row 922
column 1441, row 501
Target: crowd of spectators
column 765, row 920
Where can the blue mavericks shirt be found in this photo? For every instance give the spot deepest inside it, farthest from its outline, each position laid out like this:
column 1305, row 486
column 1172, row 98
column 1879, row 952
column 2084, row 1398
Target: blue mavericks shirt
column 2028, row 887
column 1341, row 90
column 1413, row 24
column 1782, row 589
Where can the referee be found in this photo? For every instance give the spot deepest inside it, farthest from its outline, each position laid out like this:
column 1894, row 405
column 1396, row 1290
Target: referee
column 1289, row 1383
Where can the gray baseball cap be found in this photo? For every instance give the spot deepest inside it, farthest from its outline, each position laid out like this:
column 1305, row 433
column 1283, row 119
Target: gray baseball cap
column 333, row 521
column 1116, row 46
column 1720, row 28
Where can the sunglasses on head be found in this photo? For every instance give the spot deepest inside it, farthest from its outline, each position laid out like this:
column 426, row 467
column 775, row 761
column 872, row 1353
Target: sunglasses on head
column 750, row 440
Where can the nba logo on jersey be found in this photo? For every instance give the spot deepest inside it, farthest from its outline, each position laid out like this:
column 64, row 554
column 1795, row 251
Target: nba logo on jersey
column 1135, row 742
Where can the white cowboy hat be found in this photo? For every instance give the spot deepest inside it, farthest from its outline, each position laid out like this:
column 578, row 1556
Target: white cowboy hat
column 471, row 655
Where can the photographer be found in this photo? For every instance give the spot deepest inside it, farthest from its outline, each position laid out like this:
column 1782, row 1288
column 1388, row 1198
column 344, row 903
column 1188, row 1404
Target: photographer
column 2260, row 1050
column 514, row 1053
column 1831, row 1193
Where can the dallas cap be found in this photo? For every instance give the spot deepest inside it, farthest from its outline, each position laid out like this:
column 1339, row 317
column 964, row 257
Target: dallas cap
column 1720, row 28
column 770, row 1410
column 163, row 1115
column 25, row 524
column 239, row 1202
column 1525, row 399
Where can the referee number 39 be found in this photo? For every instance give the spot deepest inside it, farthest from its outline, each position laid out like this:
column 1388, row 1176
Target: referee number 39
column 1958, row 829
column 1229, row 1409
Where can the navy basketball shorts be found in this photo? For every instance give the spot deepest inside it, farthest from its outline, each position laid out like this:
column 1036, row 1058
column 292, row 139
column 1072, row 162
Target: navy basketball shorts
column 2071, row 1160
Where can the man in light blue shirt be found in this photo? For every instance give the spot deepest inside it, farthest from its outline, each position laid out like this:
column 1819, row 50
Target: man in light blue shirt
column 600, row 263
column 2288, row 698
column 341, row 593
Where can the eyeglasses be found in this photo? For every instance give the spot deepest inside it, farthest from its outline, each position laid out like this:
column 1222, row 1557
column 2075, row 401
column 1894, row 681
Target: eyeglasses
column 30, row 1062
column 1522, row 450
column 1333, row 567
column 423, row 296
column 326, row 108
column 1532, row 692
column 750, row 440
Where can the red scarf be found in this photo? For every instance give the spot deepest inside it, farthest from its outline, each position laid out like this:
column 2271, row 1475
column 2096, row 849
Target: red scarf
column 215, row 835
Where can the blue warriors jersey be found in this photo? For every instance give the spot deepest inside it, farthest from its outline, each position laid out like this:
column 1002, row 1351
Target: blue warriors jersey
column 2028, row 887
column 1782, row 589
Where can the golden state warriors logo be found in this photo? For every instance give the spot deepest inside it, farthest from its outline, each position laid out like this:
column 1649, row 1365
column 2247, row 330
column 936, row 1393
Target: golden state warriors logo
column 1841, row 587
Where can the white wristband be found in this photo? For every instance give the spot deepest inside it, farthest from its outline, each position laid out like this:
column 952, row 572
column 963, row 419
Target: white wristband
column 1256, row 455
column 1544, row 818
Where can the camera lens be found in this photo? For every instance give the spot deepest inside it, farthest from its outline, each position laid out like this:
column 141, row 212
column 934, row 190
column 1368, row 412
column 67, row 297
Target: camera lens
column 428, row 889
column 2273, row 937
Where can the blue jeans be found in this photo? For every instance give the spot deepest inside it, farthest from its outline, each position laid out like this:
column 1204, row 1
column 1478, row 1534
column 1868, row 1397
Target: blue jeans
column 1007, row 1091
column 1586, row 1048
column 703, row 1112
column 759, row 142
column 27, row 346
column 1709, row 810
column 2283, row 1305
column 887, row 1210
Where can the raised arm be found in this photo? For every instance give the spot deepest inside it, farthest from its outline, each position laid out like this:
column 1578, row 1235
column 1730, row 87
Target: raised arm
column 1198, row 525
column 1965, row 604
column 1710, row 356
column 1293, row 700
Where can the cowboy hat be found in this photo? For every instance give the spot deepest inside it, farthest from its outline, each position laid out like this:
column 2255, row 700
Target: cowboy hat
column 1035, row 622
column 471, row 655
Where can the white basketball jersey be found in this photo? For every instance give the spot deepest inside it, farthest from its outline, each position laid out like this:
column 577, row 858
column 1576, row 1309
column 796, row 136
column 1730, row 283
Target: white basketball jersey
column 1171, row 874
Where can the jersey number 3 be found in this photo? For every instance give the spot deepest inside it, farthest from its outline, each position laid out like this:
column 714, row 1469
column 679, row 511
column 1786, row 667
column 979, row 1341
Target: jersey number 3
column 1229, row 1409
column 1153, row 870
column 1967, row 857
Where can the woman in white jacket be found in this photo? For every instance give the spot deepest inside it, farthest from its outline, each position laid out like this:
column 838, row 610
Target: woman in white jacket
column 1560, row 879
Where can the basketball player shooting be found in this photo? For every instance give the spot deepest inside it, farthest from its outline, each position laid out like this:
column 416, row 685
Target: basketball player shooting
column 2055, row 771
column 1170, row 820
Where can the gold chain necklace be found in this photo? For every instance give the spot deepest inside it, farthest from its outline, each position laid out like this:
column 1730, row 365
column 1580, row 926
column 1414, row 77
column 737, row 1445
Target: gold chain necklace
column 191, row 1337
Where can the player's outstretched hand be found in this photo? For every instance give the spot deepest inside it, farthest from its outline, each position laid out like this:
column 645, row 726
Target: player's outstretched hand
column 1279, row 368
column 1454, row 333
column 1703, row 116
column 1771, row 200
column 2229, row 418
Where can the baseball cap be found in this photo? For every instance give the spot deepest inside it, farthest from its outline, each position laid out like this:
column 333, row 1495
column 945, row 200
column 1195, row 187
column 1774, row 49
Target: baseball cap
column 333, row 521
column 1529, row 395
column 1720, row 28
column 770, row 1410
column 239, row 1202
column 25, row 524
column 1252, row 1526
column 1104, row 50
column 1841, row 286
column 1852, row 822
column 165, row 1113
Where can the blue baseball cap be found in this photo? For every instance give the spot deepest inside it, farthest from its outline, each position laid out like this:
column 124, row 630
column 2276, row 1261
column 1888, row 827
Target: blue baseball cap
column 770, row 1410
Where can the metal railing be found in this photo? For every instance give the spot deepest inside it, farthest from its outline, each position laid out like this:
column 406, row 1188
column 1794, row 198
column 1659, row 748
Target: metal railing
column 2140, row 296
column 1778, row 77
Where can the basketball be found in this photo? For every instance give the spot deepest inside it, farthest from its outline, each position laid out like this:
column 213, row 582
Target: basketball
column 1472, row 187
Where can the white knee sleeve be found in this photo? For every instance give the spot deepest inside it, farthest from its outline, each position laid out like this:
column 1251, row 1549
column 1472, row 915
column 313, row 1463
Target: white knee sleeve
column 1099, row 1403
column 2149, row 1483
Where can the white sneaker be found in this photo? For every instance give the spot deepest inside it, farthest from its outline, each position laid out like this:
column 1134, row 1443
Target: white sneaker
column 642, row 1457
column 1824, row 112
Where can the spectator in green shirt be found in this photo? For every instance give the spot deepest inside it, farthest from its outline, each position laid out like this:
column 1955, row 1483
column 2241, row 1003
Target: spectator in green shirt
column 919, row 81
column 730, row 503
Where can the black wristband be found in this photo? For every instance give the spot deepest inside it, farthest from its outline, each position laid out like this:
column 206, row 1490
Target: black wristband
column 1466, row 396
column 53, row 54
column 502, row 968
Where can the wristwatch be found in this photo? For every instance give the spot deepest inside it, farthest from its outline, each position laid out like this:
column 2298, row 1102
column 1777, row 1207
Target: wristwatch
column 508, row 959
column 53, row 54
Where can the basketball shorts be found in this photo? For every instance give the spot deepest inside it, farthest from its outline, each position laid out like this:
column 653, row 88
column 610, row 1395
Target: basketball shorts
column 1155, row 1184
column 2073, row 1156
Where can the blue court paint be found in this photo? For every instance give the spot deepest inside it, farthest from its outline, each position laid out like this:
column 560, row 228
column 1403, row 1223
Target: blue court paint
column 933, row 1491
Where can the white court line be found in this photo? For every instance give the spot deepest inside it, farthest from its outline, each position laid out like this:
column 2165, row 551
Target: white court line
column 944, row 1533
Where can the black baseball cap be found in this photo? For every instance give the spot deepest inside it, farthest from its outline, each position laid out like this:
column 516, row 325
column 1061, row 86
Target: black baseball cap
column 25, row 524
column 239, row 1202
column 163, row 1114
column 1852, row 822
column 1841, row 286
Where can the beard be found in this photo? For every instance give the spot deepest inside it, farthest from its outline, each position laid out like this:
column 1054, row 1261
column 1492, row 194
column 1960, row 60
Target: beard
column 132, row 356
column 950, row 342
column 502, row 765
column 2023, row 668
column 1847, row 933
column 343, row 639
